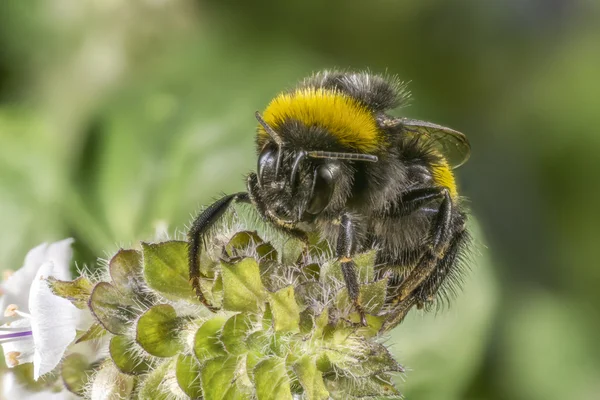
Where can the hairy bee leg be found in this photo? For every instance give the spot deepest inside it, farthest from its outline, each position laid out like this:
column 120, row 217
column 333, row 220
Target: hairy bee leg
column 196, row 235
column 433, row 282
column 415, row 199
column 445, row 267
column 397, row 315
column 344, row 250
column 439, row 239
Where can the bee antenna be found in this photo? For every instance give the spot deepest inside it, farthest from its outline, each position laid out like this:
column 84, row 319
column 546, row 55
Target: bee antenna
column 270, row 131
column 342, row 156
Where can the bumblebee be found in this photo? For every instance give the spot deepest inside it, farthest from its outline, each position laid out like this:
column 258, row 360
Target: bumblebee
column 332, row 162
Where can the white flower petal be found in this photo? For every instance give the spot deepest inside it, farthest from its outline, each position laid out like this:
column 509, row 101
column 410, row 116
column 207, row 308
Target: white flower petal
column 53, row 323
column 60, row 254
column 35, row 257
column 20, row 351
column 11, row 389
column 22, row 323
column 16, row 288
column 5, row 302
column 21, row 348
column 21, row 300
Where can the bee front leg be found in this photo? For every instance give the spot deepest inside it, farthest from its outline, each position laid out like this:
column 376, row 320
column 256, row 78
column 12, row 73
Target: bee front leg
column 197, row 234
column 344, row 252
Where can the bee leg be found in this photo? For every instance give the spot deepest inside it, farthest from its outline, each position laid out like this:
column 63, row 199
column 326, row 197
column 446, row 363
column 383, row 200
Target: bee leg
column 398, row 313
column 415, row 199
column 196, row 235
column 440, row 235
column 344, row 251
column 448, row 269
column 445, row 268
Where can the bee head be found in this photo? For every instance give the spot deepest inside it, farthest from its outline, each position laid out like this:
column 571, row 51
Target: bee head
column 295, row 188
column 298, row 184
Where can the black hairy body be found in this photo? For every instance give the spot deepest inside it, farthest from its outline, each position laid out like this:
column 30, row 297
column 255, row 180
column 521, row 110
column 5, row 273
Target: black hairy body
column 333, row 163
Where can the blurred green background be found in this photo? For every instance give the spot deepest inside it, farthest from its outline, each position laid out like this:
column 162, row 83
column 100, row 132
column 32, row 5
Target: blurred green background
column 118, row 117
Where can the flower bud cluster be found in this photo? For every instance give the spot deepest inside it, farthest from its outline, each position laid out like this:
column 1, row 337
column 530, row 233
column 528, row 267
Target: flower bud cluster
column 284, row 326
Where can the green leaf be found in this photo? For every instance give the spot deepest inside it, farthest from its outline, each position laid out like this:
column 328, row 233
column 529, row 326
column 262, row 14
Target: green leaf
column 259, row 342
column 209, row 262
column 311, row 379
column 222, row 378
column 311, row 272
column 365, row 266
column 378, row 386
column 271, row 380
column 152, row 387
column 252, row 360
column 374, row 324
column 187, row 371
column 266, row 252
column 77, row 292
column 267, row 318
column 113, row 310
column 272, row 343
column 371, row 297
column 285, row 310
column 166, row 269
column 95, row 331
column 331, row 271
column 359, row 357
column 75, row 372
column 242, row 287
column 215, row 296
column 124, row 358
column 126, row 271
column 270, row 274
column 235, row 332
column 308, row 293
column 321, row 322
column 292, row 251
column 307, row 321
column 213, row 289
column 157, row 331
column 375, row 357
column 206, row 342
column 240, row 243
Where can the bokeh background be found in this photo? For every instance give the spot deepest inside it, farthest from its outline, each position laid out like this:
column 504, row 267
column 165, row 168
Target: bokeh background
column 121, row 118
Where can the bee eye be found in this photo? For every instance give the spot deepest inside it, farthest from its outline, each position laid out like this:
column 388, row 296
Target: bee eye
column 267, row 159
column 322, row 190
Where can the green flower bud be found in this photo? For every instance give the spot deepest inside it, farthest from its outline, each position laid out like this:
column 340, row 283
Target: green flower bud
column 285, row 327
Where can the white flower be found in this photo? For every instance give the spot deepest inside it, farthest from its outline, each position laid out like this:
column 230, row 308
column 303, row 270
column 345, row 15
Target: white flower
column 15, row 290
column 40, row 325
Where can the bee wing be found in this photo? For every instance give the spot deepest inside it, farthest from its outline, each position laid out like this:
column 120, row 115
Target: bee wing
column 453, row 145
